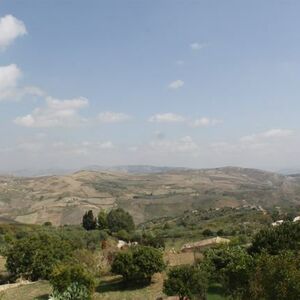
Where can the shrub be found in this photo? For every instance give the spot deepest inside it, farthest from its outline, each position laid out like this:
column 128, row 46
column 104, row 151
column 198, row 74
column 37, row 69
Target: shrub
column 276, row 239
column 187, row 282
column 73, row 292
column 64, row 277
column 118, row 219
column 232, row 267
column 276, row 277
column 34, row 256
column 138, row 264
column 153, row 241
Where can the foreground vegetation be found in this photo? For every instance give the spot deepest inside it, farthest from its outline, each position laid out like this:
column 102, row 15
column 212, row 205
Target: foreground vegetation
column 74, row 262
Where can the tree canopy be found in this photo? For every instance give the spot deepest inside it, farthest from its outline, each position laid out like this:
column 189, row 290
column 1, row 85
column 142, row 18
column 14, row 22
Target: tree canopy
column 119, row 219
column 138, row 264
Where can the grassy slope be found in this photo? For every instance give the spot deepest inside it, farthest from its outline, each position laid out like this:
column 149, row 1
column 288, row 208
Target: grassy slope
column 109, row 289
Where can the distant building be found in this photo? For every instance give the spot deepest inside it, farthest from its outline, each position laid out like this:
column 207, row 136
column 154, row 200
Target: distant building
column 203, row 244
column 296, row 219
column 122, row 245
column 277, row 223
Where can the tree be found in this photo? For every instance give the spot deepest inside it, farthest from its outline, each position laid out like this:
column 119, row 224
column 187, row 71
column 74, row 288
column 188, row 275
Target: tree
column 34, row 256
column 119, row 219
column 276, row 277
column 187, row 282
column 72, row 280
column 88, row 221
column 102, row 220
column 273, row 240
column 232, row 267
column 138, row 264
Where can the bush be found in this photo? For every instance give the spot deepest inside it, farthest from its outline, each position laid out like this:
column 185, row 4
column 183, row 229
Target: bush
column 73, row 292
column 153, row 241
column 138, row 264
column 34, row 256
column 276, row 239
column 118, row 219
column 232, row 267
column 68, row 279
column 187, row 282
column 276, row 277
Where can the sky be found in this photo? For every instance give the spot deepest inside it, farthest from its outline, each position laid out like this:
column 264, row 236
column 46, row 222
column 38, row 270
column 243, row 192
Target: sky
column 192, row 83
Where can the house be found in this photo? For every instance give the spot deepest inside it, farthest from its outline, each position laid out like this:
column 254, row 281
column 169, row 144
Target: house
column 122, row 245
column 277, row 223
column 296, row 219
column 190, row 247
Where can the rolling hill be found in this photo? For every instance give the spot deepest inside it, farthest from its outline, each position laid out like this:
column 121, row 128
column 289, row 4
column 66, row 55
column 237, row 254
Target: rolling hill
column 63, row 199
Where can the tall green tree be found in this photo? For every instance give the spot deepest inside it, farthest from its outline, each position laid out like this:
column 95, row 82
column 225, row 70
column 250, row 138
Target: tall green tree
column 231, row 266
column 119, row 219
column 89, row 222
column 102, row 220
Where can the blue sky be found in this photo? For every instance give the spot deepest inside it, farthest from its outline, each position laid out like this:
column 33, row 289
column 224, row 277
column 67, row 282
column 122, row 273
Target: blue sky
column 181, row 83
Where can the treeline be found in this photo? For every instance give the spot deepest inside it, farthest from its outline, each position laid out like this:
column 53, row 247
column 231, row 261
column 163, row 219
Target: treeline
column 74, row 259
column 269, row 269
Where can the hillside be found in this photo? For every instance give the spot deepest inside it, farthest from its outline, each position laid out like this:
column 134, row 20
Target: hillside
column 63, row 199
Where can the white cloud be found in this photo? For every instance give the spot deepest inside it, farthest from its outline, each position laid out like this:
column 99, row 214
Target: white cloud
column 9, row 76
column 10, row 29
column 113, row 117
column 106, row 145
column 269, row 134
column 182, row 145
column 197, row 46
column 205, row 122
column 277, row 133
column 56, row 113
column 174, row 85
column 166, row 118
column 9, row 89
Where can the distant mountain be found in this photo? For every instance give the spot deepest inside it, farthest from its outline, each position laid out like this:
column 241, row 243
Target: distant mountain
column 63, row 199
column 131, row 169
column 37, row 172
column 291, row 171
column 134, row 169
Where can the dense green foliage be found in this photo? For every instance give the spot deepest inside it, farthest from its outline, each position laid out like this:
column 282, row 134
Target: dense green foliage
column 278, row 238
column 118, row 219
column 65, row 275
column 102, row 220
column 187, row 282
column 89, row 222
column 34, row 256
column 231, row 266
column 276, row 277
column 138, row 264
